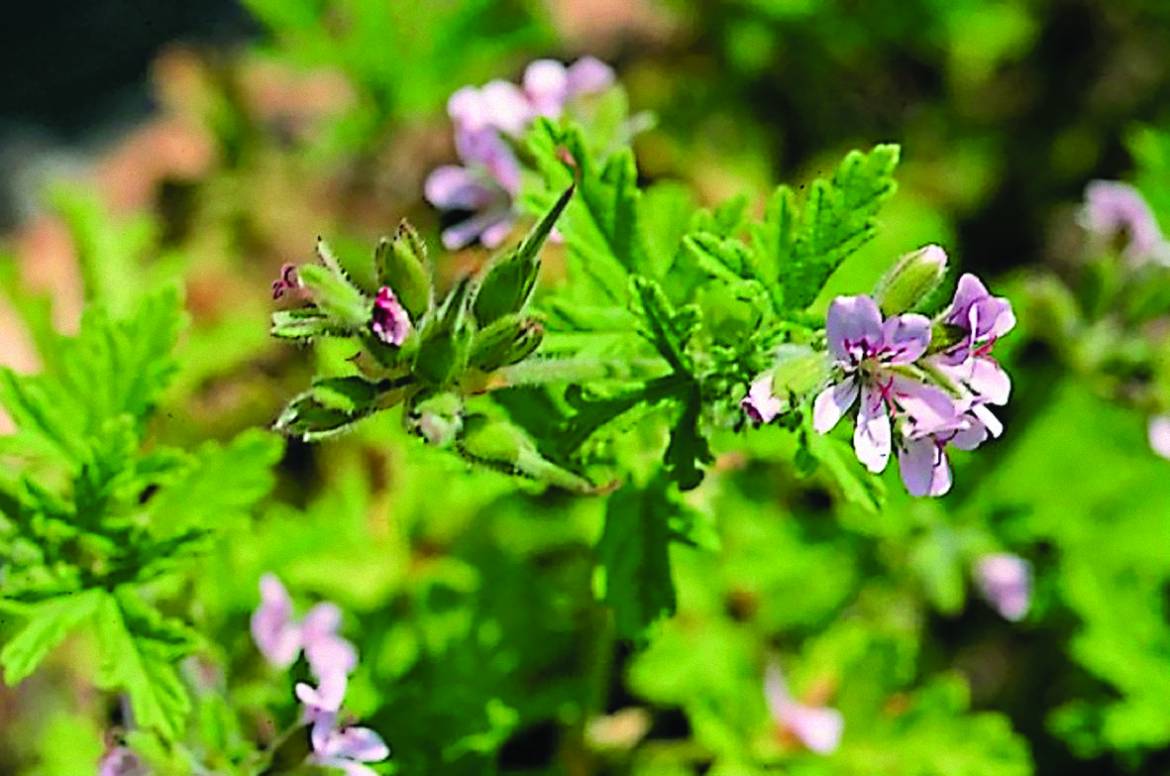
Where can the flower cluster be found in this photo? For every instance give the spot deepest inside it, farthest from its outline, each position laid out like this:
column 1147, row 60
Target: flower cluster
column 915, row 396
column 281, row 639
column 817, row 727
column 487, row 120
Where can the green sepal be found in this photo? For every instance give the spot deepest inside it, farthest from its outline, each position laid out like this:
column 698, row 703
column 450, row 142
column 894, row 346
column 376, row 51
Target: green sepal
column 505, row 446
column 304, row 323
column 445, row 343
column 913, row 278
column 336, row 296
column 402, row 264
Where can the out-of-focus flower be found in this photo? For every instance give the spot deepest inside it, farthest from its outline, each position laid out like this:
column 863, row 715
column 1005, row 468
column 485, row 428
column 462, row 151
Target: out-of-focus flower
column 389, row 321
column 346, row 748
column 326, row 697
column 1005, row 580
column 760, row 405
column 817, row 727
column 120, row 761
column 1115, row 209
column 488, row 180
column 866, row 351
column 280, row 638
column 1159, row 434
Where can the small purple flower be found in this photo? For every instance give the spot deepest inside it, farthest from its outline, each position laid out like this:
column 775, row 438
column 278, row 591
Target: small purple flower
column 922, row 455
column 488, row 181
column 1159, row 435
column 280, row 638
column 326, row 697
column 983, row 318
column 346, row 747
column 1113, row 208
column 867, row 352
column 760, row 405
column 817, row 727
column 390, row 321
column 120, row 761
column 1005, row 580
column 287, row 282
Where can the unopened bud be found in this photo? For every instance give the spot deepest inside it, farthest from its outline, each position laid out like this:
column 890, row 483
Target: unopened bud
column 914, row 277
column 507, row 341
column 402, row 265
column 437, row 418
column 799, row 371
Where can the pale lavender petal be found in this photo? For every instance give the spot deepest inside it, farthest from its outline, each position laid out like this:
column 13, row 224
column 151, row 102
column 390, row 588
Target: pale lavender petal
column 495, row 235
column 871, row 437
column 1006, row 582
column 968, row 292
column 853, row 328
column 324, row 725
column 546, row 83
column 506, row 107
column 357, row 743
column 321, row 621
column 326, row 696
column 455, row 188
column 1159, row 434
column 466, row 108
column 971, row 435
column 905, row 338
column 486, row 153
column 276, row 635
column 927, row 408
column 589, row 75
column 988, row 380
column 832, row 403
column 330, row 654
column 916, row 462
column 817, row 728
column 466, row 232
column 760, row 405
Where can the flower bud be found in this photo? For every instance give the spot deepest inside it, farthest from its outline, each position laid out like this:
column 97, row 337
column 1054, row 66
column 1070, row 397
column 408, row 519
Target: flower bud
column 437, row 418
column 914, row 277
column 402, row 265
column 799, row 371
column 507, row 341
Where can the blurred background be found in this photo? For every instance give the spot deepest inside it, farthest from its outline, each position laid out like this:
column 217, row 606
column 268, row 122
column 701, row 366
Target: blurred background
column 215, row 141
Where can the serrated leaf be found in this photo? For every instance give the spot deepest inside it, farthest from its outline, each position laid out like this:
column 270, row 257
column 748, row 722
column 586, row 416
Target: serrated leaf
column 688, row 447
column 48, row 624
column 667, row 329
column 143, row 670
column 633, row 551
column 336, row 296
column 803, row 246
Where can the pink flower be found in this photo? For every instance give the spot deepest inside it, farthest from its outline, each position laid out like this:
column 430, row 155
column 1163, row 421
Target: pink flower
column 487, row 182
column 1159, row 434
column 867, row 352
column 1005, row 580
column 983, row 319
column 286, row 282
column 389, row 321
column 120, row 761
column 280, row 638
column 1112, row 208
column 817, row 727
column 346, row 747
column 760, row 405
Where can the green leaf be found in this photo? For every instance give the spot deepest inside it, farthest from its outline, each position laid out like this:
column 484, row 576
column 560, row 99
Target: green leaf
column 801, row 247
column 857, row 485
column 114, row 366
column 688, row 446
column 506, row 447
column 669, row 330
column 304, row 323
column 633, row 552
column 336, row 296
column 220, row 483
column 48, row 624
column 142, row 668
